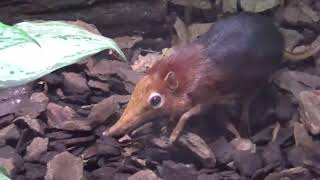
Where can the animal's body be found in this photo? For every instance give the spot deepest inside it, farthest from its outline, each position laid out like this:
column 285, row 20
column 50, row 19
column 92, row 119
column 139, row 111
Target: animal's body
column 234, row 58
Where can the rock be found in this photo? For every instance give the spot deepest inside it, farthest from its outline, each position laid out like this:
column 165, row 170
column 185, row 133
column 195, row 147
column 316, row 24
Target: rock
column 262, row 137
column 285, row 109
column 258, row 5
column 243, row 144
column 121, row 176
column 37, row 147
column 291, row 37
column 285, row 136
column 263, row 172
column 35, row 124
column 104, row 69
column 309, row 111
column 46, row 157
column 296, row 82
column 103, row 173
column 100, row 149
column 96, row 99
column 311, row 158
column 65, row 118
column 271, row 154
column 295, row 156
column 104, row 109
column 75, row 83
column 10, row 132
column 2, row 142
column 298, row 173
column 34, row 171
column 59, row 135
column 38, row 103
column 26, row 137
column 73, row 141
column 301, row 136
column 144, row 129
column 247, row 163
column 208, row 177
column 199, row 148
column 222, row 150
column 157, row 154
column 6, row 120
column 230, row 175
column 161, row 142
column 173, row 171
column 14, row 99
column 76, row 151
column 64, row 166
column 144, row 175
column 10, row 160
column 52, row 79
column 99, row 85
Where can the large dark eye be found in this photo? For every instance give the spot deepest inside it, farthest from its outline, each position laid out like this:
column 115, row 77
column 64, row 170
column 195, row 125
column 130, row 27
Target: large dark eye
column 155, row 100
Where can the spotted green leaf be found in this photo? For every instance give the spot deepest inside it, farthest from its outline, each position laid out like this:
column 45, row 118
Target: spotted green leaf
column 3, row 174
column 10, row 36
column 59, row 44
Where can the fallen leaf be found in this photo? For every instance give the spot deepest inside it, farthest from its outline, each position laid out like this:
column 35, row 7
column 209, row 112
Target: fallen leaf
column 182, row 32
column 296, row 81
column 143, row 63
column 197, row 29
column 229, row 6
column 299, row 13
column 291, row 37
column 126, row 42
column 258, row 5
column 309, row 110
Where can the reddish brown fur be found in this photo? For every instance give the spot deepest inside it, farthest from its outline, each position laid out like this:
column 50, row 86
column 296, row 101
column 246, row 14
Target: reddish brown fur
column 194, row 85
column 233, row 58
column 195, row 82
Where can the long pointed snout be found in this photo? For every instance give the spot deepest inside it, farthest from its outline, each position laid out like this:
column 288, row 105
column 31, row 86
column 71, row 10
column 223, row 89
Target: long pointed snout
column 135, row 113
column 127, row 122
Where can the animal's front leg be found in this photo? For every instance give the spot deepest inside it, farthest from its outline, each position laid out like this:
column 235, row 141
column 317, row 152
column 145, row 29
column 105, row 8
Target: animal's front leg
column 184, row 119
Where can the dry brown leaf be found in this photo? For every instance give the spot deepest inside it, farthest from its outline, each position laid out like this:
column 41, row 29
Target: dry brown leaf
column 198, row 29
column 258, row 5
column 309, row 12
column 299, row 12
column 291, row 37
column 145, row 62
column 89, row 27
column 229, row 6
column 182, row 32
column 189, row 33
column 309, row 110
column 126, row 42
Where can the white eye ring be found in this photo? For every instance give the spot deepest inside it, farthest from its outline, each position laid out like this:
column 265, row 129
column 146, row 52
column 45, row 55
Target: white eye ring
column 156, row 100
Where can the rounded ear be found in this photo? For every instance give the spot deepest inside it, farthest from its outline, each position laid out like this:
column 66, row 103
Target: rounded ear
column 171, row 80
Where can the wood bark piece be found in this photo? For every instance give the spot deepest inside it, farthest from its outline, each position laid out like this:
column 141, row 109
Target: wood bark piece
column 310, row 113
column 104, row 15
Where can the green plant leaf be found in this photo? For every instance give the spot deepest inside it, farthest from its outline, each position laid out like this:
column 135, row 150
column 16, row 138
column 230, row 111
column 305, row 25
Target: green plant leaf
column 3, row 174
column 10, row 36
column 60, row 44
